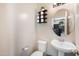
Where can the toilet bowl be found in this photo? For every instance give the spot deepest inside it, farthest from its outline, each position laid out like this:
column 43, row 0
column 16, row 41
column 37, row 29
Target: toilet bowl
column 41, row 48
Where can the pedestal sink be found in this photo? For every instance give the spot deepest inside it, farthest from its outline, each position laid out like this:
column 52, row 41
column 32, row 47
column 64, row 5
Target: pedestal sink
column 63, row 47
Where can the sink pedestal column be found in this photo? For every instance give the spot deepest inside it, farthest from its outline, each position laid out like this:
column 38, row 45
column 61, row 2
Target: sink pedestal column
column 60, row 53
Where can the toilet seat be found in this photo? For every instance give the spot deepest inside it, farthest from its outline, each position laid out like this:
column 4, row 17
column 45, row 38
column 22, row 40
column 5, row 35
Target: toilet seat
column 37, row 53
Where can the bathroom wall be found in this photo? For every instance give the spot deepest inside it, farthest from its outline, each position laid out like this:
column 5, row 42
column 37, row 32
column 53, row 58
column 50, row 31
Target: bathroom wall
column 44, row 31
column 77, row 25
column 3, row 31
column 25, row 27
column 6, row 29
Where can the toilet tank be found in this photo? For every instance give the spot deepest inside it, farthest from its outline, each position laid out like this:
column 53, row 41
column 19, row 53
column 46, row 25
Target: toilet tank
column 42, row 45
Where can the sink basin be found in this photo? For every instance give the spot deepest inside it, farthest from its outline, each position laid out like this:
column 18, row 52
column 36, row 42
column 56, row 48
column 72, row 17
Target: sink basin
column 64, row 47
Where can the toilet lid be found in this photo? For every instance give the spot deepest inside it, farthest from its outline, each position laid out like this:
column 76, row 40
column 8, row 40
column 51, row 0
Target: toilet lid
column 37, row 53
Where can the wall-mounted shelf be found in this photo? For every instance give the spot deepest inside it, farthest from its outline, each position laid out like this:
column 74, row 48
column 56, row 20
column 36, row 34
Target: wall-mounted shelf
column 42, row 15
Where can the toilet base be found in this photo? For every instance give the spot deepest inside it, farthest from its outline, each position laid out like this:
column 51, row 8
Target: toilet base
column 37, row 53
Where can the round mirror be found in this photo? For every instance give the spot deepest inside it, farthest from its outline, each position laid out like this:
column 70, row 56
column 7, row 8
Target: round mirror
column 63, row 22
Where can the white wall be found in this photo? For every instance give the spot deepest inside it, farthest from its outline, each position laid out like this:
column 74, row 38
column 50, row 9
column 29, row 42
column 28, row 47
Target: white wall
column 25, row 28
column 6, row 29
column 77, row 25
column 3, row 31
column 10, row 8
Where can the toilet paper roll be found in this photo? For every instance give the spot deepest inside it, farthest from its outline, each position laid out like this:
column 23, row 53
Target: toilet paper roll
column 42, row 20
column 41, row 12
column 43, row 9
column 25, row 52
column 37, row 20
column 42, row 16
column 37, row 17
column 25, row 49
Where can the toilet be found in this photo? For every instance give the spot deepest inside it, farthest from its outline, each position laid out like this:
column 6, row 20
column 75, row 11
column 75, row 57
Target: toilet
column 42, row 46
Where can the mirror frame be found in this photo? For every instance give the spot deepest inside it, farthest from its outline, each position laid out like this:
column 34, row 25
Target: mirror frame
column 67, row 16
